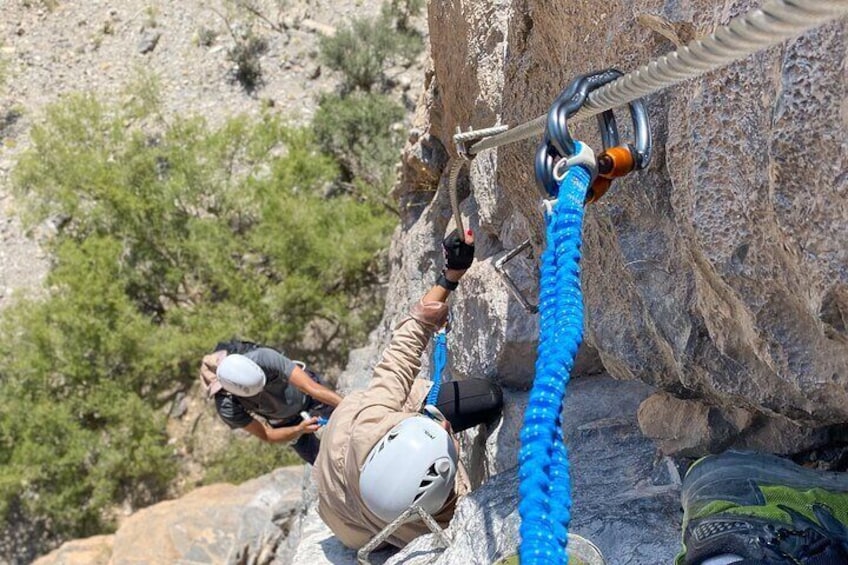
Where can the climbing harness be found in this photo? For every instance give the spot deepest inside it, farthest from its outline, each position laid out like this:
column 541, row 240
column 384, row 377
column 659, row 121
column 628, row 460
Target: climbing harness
column 439, row 362
column 544, row 488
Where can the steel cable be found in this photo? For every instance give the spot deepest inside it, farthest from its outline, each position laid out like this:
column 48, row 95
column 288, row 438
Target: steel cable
column 774, row 22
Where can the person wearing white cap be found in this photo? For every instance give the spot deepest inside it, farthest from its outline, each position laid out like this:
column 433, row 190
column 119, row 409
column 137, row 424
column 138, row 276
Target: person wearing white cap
column 264, row 392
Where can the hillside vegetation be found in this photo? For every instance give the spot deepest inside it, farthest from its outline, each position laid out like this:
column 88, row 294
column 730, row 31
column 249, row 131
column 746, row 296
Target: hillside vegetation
column 171, row 234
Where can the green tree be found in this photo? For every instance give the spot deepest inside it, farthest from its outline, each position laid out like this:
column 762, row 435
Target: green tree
column 77, row 435
column 170, row 237
column 210, row 223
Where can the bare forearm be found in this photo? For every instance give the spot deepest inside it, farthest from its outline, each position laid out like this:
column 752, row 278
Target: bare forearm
column 273, row 435
column 283, row 435
column 303, row 382
column 325, row 396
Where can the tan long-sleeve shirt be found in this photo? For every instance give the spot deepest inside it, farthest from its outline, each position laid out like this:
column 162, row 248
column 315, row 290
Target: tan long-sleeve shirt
column 363, row 418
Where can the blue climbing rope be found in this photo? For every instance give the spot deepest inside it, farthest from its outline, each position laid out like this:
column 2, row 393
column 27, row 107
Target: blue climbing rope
column 545, row 486
column 440, row 359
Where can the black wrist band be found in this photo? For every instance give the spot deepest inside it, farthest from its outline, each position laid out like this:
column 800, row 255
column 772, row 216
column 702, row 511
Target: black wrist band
column 443, row 282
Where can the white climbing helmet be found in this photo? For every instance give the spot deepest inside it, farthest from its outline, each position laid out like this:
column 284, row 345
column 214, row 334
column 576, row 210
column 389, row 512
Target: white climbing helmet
column 240, row 376
column 415, row 463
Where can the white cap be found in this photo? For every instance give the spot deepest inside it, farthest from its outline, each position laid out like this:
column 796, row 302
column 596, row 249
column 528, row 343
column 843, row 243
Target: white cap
column 415, row 463
column 240, row 376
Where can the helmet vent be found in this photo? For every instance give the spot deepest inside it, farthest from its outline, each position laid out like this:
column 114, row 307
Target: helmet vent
column 431, row 473
column 428, row 478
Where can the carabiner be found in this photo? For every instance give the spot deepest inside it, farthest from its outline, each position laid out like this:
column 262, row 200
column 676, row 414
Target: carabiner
column 616, row 160
column 619, row 159
column 641, row 145
column 557, row 143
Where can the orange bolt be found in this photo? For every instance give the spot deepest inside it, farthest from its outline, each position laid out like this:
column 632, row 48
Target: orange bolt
column 616, row 162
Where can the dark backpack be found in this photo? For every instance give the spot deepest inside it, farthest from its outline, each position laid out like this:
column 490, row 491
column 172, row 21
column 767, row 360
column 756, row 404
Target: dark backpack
column 239, row 346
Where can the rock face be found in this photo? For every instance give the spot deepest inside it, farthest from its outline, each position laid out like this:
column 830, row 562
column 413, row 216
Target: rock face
column 625, row 499
column 95, row 550
column 721, row 271
column 222, row 523
column 718, row 275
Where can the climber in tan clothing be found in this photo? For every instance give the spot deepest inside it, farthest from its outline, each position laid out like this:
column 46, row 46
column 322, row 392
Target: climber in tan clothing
column 379, row 454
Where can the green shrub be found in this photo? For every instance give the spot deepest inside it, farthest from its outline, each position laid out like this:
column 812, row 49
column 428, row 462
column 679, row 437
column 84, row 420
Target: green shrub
column 76, row 439
column 209, row 223
column 245, row 56
column 245, row 458
column 143, row 95
column 363, row 49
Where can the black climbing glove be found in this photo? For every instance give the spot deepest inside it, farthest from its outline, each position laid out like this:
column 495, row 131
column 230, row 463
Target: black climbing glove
column 458, row 254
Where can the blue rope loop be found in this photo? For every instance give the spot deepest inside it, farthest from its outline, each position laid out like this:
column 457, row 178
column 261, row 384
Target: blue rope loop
column 440, row 360
column 545, row 485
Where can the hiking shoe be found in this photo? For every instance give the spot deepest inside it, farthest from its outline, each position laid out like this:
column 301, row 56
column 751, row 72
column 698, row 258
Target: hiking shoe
column 763, row 509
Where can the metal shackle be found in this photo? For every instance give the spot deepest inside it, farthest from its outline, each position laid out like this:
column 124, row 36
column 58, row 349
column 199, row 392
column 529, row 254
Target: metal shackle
column 641, row 145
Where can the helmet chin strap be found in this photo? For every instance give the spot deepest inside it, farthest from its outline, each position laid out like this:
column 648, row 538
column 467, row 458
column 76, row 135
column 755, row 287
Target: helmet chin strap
column 435, row 413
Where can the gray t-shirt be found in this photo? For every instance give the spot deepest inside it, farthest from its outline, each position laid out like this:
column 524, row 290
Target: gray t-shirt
column 277, row 401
